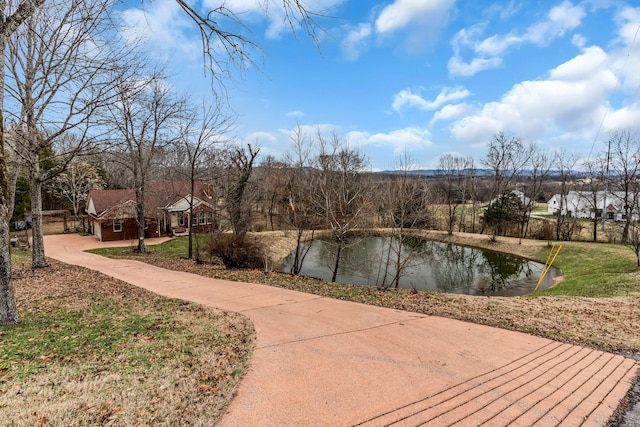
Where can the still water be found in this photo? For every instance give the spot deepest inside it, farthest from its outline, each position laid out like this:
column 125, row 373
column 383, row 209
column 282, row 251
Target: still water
column 424, row 265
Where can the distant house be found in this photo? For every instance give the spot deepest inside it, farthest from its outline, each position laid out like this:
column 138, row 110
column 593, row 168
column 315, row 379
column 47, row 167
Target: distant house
column 112, row 213
column 581, row 204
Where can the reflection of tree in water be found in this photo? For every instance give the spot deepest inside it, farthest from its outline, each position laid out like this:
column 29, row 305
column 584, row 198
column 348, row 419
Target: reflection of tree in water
column 453, row 268
column 500, row 269
column 394, row 258
column 425, row 265
column 356, row 261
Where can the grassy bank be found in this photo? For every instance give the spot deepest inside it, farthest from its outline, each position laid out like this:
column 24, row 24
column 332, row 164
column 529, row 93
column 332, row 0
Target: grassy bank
column 596, row 270
column 91, row 350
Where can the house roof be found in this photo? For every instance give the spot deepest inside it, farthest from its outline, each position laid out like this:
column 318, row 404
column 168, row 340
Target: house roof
column 109, row 204
column 100, row 201
column 163, row 194
column 583, row 200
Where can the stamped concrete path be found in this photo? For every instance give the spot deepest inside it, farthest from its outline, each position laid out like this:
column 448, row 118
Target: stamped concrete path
column 325, row 362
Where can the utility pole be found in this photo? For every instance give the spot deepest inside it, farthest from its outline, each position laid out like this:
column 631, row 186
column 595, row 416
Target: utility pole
column 606, row 186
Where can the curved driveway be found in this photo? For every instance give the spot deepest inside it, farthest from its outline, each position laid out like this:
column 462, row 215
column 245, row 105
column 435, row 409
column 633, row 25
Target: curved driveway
column 325, row 362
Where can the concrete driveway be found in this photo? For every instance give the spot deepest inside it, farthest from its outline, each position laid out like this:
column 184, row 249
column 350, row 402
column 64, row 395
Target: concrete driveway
column 325, row 362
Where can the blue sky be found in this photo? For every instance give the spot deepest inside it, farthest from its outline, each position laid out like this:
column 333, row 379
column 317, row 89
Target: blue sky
column 424, row 78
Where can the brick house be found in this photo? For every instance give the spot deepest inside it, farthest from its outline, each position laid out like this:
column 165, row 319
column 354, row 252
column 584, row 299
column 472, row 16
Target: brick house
column 112, row 213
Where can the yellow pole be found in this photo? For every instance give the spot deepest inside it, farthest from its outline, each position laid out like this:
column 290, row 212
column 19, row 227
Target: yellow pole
column 547, row 265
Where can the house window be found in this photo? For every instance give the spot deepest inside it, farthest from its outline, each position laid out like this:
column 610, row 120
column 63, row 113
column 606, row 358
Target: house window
column 202, row 219
column 117, row 227
column 208, row 217
column 194, row 220
column 181, row 219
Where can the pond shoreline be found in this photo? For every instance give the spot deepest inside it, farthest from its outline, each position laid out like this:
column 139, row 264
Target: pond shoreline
column 426, row 264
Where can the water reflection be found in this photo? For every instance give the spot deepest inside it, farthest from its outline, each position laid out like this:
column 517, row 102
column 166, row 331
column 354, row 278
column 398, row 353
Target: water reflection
column 413, row 263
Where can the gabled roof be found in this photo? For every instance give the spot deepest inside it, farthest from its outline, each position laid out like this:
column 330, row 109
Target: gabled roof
column 101, row 201
column 163, row 194
column 182, row 204
column 171, row 195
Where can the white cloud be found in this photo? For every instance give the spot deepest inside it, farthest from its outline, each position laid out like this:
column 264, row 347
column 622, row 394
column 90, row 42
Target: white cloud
column 458, row 67
column 406, row 98
column 355, row 41
column 262, row 138
column 295, row 113
column 560, row 19
column 164, row 27
column 570, row 100
column 496, row 45
column 625, row 118
column 401, row 13
column 401, row 140
column 627, row 57
column 487, row 52
column 581, row 67
column 628, row 20
column 579, row 40
column 419, row 22
column 453, row 111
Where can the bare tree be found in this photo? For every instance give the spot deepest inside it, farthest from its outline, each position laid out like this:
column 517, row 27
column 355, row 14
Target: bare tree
column 238, row 167
column 226, row 41
column 565, row 166
column 405, row 206
column 57, row 82
column 633, row 240
column 199, row 130
column 15, row 166
column 469, row 191
column 271, row 178
column 300, row 204
column 75, row 183
column 142, row 119
column 506, row 157
column 340, row 189
column 10, row 21
column 452, row 185
column 624, row 148
column 539, row 166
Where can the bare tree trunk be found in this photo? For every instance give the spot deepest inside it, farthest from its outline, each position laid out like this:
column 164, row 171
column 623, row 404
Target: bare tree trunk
column 8, row 310
column 336, row 266
column 142, row 247
column 13, row 173
column 193, row 187
column 38, row 259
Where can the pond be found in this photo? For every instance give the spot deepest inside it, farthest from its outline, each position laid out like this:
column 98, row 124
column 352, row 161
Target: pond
column 424, row 265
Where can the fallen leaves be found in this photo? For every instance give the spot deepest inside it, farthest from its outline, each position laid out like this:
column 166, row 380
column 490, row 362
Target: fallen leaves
column 107, row 353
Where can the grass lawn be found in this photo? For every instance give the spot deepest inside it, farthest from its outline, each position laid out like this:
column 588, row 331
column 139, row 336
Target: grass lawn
column 595, row 270
column 91, row 350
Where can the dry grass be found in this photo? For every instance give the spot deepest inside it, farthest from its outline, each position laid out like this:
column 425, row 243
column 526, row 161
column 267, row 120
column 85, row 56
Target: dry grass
column 92, row 350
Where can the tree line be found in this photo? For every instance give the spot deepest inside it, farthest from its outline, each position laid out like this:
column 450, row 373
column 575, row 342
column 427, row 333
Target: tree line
column 72, row 86
column 82, row 109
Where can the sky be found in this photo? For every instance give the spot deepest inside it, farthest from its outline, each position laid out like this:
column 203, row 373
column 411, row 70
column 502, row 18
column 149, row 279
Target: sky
column 418, row 79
